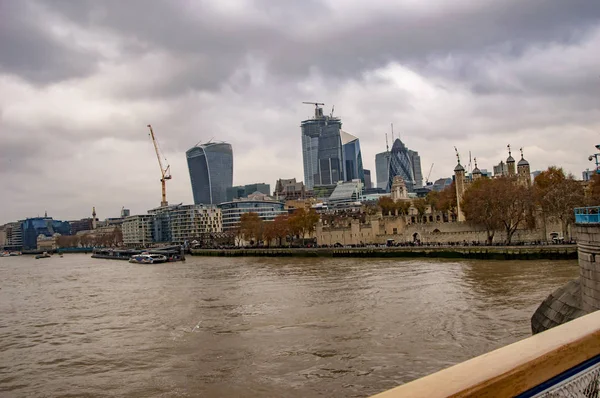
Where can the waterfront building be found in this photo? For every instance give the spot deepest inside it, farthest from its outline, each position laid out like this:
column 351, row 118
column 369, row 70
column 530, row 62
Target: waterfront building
column 322, row 154
column 289, row 189
column 266, row 207
column 353, row 165
column 2, row 236
column 181, row 223
column 382, row 169
column 401, row 165
column 47, row 243
column 242, row 191
column 31, row 228
column 368, row 183
column 211, row 171
column 137, row 230
column 14, row 235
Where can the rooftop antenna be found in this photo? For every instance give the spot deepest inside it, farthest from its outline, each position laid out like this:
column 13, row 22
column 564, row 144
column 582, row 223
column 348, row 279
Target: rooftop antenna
column 508, row 146
column 392, row 124
column 469, row 161
column 387, row 147
column 521, row 152
column 332, row 108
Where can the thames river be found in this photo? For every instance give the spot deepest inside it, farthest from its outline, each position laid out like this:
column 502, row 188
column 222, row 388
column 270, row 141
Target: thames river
column 254, row 327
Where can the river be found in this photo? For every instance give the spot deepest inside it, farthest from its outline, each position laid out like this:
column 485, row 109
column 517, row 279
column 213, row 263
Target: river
column 255, row 327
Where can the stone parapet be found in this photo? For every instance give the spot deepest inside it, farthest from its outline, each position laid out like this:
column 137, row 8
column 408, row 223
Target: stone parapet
column 588, row 247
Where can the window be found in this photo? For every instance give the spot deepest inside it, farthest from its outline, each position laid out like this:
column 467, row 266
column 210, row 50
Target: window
column 395, row 231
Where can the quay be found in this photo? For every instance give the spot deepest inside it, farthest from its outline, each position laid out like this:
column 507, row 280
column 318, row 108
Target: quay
column 550, row 252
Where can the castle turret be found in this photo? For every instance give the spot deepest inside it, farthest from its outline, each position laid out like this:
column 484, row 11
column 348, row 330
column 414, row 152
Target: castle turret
column 524, row 171
column 459, row 182
column 476, row 172
column 510, row 163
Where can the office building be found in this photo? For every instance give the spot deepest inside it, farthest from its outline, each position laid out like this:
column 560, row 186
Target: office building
column 353, row 165
column 501, row 169
column 368, row 183
column 211, row 171
column 266, row 207
column 13, row 235
column 400, row 165
column 346, row 193
column 241, row 191
column 33, row 227
column 322, row 155
column 382, row 169
column 415, row 161
column 588, row 174
column 85, row 224
column 137, row 230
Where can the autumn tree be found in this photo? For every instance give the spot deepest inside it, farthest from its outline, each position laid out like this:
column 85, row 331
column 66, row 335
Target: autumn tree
column 386, row 204
column 593, row 191
column 420, row 206
column 557, row 195
column 281, row 228
column 403, row 207
column 251, row 226
column 446, row 201
column 303, row 222
column 497, row 204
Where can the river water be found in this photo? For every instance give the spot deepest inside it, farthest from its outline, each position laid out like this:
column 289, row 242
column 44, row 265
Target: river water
column 220, row 327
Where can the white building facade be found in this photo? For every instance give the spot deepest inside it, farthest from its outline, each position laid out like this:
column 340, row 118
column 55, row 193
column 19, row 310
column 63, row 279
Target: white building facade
column 137, row 230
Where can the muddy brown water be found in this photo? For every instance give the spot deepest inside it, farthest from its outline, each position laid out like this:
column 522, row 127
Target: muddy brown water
column 254, row 327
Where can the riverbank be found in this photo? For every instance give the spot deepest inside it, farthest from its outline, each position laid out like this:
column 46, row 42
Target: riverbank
column 555, row 252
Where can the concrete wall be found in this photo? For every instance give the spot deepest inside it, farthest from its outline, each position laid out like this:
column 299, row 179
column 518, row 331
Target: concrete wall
column 588, row 246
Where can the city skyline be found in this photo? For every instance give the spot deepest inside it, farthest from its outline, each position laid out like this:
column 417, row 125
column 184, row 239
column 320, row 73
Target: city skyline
column 80, row 82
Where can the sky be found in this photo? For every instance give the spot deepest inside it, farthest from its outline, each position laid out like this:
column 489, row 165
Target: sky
column 80, row 81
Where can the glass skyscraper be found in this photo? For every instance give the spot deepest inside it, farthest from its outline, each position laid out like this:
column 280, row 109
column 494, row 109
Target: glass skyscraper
column 211, row 172
column 401, row 165
column 322, row 153
column 415, row 160
column 382, row 169
column 353, row 165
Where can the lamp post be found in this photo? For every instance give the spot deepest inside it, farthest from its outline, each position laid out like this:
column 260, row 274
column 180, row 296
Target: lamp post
column 595, row 157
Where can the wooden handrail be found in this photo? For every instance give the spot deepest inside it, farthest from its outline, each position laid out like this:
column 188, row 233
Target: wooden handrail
column 513, row 369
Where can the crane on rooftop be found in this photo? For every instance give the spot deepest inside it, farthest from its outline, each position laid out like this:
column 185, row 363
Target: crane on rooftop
column 318, row 111
column 164, row 171
column 429, row 174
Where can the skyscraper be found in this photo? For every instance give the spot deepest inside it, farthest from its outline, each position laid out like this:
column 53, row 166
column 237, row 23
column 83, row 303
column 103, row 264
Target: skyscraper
column 322, row 150
column 401, row 165
column 368, row 183
column 382, row 169
column 415, row 159
column 211, row 171
column 353, row 165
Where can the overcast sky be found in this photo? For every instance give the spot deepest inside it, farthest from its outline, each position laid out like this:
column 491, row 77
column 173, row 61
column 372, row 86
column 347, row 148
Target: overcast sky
column 80, row 80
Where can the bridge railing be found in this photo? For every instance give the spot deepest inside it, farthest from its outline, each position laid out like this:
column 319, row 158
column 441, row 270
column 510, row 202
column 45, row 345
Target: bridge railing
column 560, row 362
column 587, row 215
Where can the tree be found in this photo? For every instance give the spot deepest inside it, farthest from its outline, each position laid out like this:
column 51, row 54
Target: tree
column 433, row 199
column 447, row 200
column 386, row 204
column 593, row 191
column 497, row 204
column 303, row 222
column 251, row 226
column 557, row 195
column 281, row 228
column 403, row 206
column 420, row 206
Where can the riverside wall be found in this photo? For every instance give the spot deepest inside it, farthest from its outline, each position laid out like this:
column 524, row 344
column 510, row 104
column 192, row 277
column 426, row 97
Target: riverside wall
column 555, row 252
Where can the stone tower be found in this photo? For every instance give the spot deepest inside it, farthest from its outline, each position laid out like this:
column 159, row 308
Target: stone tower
column 476, row 172
column 399, row 190
column 459, row 181
column 524, row 171
column 510, row 163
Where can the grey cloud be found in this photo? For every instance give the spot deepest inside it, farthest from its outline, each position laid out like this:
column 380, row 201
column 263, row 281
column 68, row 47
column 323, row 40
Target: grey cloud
column 30, row 52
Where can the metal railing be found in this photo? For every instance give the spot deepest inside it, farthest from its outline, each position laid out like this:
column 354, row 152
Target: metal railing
column 561, row 362
column 587, row 215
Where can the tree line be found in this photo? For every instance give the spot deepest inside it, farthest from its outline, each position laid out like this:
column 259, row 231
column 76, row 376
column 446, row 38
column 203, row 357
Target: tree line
column 254, row 229
column 115, row 238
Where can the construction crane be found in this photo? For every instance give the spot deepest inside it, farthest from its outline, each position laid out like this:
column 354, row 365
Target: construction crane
column 318, row 111
column 429, row 174
column 165, row 172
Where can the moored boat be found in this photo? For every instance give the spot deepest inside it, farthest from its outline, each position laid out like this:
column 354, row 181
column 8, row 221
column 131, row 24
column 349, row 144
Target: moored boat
column 145, row 258
column 43, row 255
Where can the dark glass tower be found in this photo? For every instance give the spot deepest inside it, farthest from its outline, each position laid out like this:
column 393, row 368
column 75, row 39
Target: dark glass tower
column 353, row 166
column 211, row 172
column 401, row 165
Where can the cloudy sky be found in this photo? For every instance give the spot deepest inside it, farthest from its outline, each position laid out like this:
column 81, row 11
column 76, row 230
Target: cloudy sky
column 80, row 80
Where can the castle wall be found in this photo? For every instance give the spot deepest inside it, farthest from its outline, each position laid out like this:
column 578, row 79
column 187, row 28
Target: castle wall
column 588, row 247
